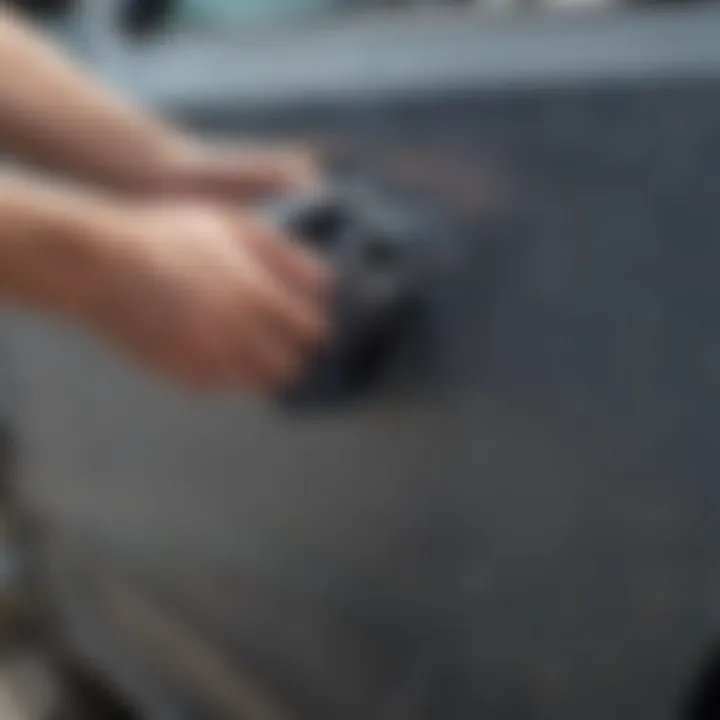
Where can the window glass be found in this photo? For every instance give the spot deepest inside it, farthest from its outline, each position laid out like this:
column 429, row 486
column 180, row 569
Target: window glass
column 244, row 12
column 221, row 12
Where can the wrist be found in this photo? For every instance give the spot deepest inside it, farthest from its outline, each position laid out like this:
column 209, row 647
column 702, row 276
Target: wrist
column 174, row 168
column 54, row 247
column 150, row 166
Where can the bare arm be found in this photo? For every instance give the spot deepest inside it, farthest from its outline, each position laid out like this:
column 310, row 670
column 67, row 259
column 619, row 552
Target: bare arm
column 55, row 115
column 196, row 290
column 50, row 242
column 51, row 113
column 201, row 294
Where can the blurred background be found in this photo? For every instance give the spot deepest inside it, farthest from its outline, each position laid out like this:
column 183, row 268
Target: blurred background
column 165, row 50
column 117, row 459
column 146, row 19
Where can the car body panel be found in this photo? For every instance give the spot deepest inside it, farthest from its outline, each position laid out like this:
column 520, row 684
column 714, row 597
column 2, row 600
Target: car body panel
column 521, row 521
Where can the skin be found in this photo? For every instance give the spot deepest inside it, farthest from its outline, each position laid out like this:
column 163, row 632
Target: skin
column 153, row 246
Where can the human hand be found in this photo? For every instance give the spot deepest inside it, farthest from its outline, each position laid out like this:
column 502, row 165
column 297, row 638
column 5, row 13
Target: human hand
column 236, row 173
column 209, row 297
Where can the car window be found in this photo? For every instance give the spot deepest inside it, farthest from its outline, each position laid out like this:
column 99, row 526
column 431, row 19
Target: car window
column 222, row 12
column 237, row 13
column 105, row 18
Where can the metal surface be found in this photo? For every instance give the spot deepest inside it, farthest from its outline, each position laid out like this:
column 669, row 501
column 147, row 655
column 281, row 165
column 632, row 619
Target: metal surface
column 522, row 523
column 420, row 51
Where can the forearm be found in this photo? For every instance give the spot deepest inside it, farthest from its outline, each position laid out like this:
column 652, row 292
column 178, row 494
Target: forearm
column 52, row 114
column 50, row 244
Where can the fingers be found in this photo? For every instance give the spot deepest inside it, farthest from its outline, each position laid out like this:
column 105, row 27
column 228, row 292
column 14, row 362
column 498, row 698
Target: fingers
column 267, row 322
column 265, row 360
column 291, row 308
column 249, row 174
column 279, row 170
column 301, row 320
column 295, row 265
column 278, row 330
column 215, row 299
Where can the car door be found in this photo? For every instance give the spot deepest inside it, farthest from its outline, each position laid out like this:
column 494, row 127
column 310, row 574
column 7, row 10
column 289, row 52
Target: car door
column 520, row 520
